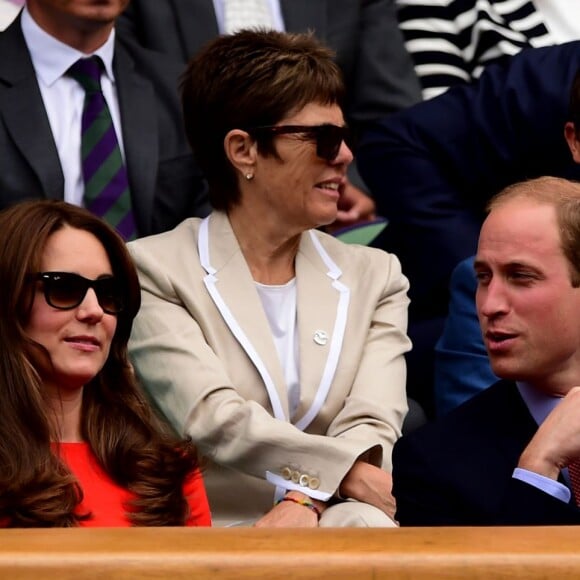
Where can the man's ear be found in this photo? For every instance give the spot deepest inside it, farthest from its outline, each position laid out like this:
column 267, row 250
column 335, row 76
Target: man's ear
column 241, row 150
column 572, row 140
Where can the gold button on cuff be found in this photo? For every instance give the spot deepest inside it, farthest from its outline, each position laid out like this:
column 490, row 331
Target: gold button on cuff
column 314, row 483
column 286, row 473
column 295, row 476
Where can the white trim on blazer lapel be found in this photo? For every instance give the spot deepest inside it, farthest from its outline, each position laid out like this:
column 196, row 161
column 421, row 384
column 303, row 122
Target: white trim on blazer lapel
column 334, row 272
column 210, row 281
column 336, row 340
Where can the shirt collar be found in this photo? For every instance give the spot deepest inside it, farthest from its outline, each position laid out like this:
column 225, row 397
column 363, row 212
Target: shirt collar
column 539, row 404
column 52, row 58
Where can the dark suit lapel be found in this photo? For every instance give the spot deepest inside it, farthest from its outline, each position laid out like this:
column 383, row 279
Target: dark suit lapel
column 304, row 15
column 23, row 112
column 196, row 23
column 233, row 291
column 518, row 428
column 516, row 424
column 137, row 104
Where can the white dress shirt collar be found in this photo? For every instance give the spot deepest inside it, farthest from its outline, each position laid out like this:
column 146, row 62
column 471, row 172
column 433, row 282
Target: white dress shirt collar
column 52, row 58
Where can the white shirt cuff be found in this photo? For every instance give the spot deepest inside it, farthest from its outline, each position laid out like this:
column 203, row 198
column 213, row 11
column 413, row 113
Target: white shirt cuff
column 545, row 484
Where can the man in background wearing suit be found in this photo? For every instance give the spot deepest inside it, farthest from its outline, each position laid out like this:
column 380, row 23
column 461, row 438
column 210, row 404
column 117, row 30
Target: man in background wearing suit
column 433, row 167
column 461, row 363
column 41, row 106
column 510, row 454
column 377, row 68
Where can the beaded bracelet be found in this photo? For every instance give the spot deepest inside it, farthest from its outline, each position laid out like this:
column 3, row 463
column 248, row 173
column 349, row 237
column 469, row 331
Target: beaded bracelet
column 305, row 502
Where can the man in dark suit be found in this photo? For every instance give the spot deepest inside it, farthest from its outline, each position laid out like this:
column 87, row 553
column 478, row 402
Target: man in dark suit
column 433, row 167
column 369, row 47
column 36, row 162
column 509, row 455
column 461, row 364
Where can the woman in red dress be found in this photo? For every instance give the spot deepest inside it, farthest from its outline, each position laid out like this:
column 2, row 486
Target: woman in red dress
column 79, row 444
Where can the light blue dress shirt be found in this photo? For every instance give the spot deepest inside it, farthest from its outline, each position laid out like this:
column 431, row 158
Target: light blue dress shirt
column 540, row 406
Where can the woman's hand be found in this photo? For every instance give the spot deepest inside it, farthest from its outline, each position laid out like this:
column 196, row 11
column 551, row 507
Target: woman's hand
column 288, row 514
column 369, row 484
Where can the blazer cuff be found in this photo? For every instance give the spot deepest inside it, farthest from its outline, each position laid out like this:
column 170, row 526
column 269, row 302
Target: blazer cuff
column 304, row 485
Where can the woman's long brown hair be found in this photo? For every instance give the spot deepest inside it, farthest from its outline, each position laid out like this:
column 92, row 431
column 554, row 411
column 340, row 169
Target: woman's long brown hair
column 133, row 447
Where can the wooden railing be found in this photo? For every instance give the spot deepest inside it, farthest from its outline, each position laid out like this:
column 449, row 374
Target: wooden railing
column 335, row 554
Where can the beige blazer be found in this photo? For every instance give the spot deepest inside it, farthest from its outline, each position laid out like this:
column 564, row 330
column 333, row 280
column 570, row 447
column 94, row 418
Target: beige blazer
column 203, row 349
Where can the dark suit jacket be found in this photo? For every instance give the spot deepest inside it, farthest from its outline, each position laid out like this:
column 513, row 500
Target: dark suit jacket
column 458, row 470
column 166, row 185
column 369, row 45
column 433, row 167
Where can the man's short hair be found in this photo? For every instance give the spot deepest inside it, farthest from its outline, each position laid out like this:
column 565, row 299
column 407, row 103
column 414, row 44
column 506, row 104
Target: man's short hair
column 564, row 196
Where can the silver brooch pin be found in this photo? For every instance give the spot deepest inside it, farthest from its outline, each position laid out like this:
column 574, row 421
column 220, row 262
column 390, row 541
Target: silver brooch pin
column 320, row 337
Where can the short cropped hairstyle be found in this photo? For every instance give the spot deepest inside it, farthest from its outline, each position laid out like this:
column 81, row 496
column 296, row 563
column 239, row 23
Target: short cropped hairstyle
column 130, row 444
column 251, row 79
column 564, row 197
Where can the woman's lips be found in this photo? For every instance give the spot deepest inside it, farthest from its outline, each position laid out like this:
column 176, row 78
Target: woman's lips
column 84, row 343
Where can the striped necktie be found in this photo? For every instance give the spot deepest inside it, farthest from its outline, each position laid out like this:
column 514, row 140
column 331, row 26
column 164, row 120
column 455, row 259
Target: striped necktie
column 574, row 473
column 105, row 175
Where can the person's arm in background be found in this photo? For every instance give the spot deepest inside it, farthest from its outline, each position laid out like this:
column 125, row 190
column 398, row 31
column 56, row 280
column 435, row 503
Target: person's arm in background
column 433, row 38
column 452, row 40
column 462, row 367
column 432, row 168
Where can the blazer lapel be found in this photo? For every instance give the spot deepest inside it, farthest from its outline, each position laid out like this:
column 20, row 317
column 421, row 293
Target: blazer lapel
column 322, row 303
column 23, row 112
column 196, row 25
column 305, row 15
column 232, row 289
column 140, row 134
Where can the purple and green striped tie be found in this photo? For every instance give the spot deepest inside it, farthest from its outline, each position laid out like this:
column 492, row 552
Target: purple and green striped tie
column 105, row 175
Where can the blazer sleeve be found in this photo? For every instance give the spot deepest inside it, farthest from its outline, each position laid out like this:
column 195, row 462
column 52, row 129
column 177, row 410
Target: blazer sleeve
column 526, row 505
column 431, row 494
column 440, row 35
column 432, row 37
column 462, row 366
column 458, row 470
column 377, row 402
column 422, row 496
column 190, row 385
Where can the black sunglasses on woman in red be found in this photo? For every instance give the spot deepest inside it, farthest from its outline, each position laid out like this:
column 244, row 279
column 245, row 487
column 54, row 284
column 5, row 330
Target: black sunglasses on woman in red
column 328, row 137
column 65, row 290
